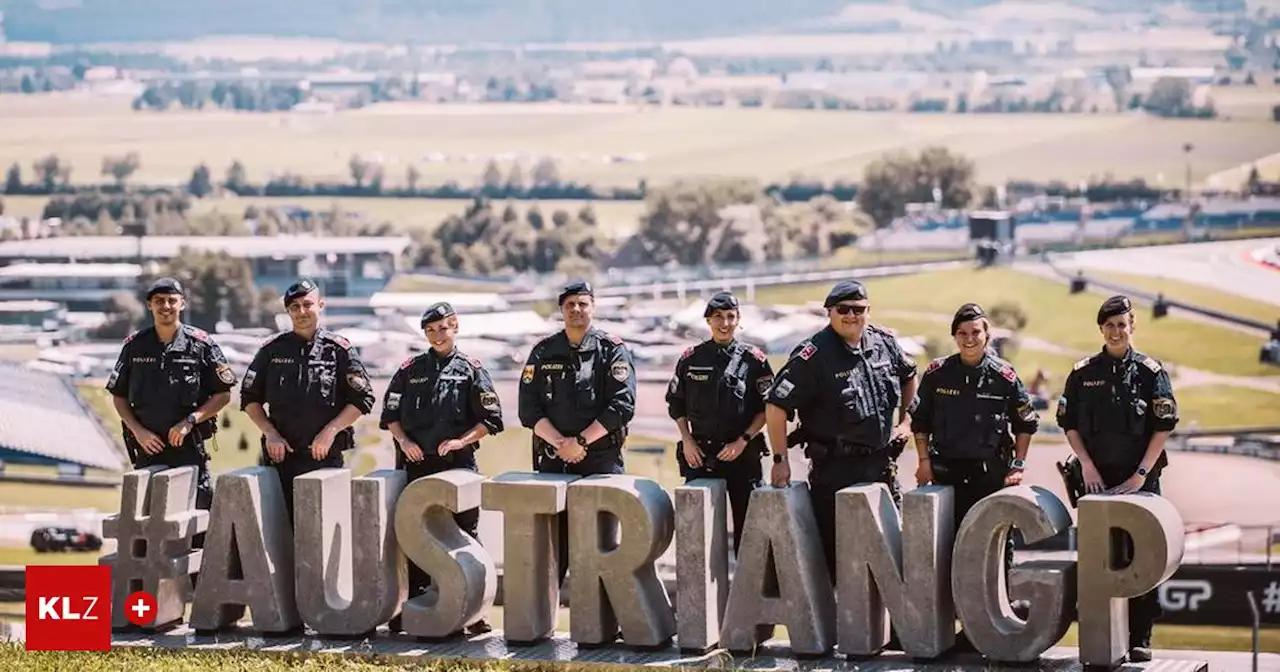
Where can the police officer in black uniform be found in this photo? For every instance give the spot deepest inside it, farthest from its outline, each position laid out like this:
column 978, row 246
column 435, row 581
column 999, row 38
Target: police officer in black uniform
column 969, row 404
column 716, row 398
column 313, row 386
column 1118, row 408
column 437, row 407
column 167, row 386
column 578, row 394
column 845, row 384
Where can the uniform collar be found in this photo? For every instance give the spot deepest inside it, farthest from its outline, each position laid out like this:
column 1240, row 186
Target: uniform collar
column 1107, row 357
column 588, row 339
column 432, row 355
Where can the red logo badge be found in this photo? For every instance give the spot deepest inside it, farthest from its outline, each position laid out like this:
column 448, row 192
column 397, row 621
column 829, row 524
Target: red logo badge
column 69, row 608
column 140, row 608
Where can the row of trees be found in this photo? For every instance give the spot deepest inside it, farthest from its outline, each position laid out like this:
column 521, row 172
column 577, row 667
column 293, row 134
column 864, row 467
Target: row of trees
column 542, row 181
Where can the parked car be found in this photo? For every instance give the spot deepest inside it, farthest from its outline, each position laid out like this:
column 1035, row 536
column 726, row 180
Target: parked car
column 58, row 539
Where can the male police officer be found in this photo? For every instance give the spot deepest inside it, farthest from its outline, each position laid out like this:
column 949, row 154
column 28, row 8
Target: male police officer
column 844, row 383
column 314, row 387
column 1117, row 408
column 716, row 397
column 438, row 406
column 577, row 394
column 168, row 385
column 968, row 403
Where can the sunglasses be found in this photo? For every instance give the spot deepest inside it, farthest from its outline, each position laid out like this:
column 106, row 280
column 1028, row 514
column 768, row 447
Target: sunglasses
column 845, row 309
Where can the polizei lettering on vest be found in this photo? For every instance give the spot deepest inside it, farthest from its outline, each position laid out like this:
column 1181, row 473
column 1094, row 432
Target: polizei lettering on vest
column 341, row 571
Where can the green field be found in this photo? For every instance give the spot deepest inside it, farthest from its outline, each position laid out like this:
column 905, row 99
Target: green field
column 662, row 143
column 1053, row 314
column 1232, row 304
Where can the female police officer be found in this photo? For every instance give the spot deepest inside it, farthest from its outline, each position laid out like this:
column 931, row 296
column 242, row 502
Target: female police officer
column 438, row 406
column 968, row 403
column 716, row 397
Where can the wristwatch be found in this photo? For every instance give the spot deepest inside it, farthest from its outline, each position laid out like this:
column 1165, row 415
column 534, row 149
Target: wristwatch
column 1019, row 464
column 777, row 458
column 1142, row 471
column 746, row 436
column 582, row 442
column 191, row 419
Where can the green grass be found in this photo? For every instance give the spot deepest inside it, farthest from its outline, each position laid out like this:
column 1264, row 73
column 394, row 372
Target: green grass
column 48, row 496
column 1053, row 314
column 1226, row 302
column 1217, row 406
column 769, row 144
column 1200, row 638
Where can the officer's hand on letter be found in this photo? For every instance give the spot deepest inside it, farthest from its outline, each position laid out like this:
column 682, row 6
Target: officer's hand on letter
column 780, row 475
column 731, row 451
column 277, row 447
column 692, row 454
column 924, row 473
column 1134, row 484
column 1092, row 479
column 321, row 444
column 1014, row 477
column 149, row 441
column 411, row 451
column 448, row 446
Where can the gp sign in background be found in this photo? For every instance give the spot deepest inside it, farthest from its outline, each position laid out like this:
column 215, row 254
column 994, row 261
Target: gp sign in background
column 889, row 563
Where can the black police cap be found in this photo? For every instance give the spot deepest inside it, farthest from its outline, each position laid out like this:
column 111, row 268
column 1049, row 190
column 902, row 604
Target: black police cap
column 165, row 286
column 967, row 312
column 846, row 290
column 437, row 312
column 298, row 290
column 721, row 301
column 1116, row 305
column 575, row 288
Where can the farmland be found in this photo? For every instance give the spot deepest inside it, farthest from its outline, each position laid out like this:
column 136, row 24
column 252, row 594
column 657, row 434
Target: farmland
column 611, row 144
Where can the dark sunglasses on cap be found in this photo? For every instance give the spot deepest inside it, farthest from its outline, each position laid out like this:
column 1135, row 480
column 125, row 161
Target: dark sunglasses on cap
column 845, row 309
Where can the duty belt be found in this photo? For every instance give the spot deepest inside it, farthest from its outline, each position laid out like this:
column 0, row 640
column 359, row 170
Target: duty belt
column 820, row 448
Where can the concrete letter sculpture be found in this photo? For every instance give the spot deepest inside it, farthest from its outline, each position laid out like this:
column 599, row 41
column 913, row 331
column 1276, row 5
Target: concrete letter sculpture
column 615, row 585
column 1158, row 537
column 462, row 572
column 347, row 576
column 884, row 567
column 702, row 573
column 981, row 596
column 157, row 520
column 248, row 556
column 531, row 505
column 781, row 577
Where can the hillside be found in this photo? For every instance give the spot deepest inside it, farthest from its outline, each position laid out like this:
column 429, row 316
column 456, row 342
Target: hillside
column 453, row 21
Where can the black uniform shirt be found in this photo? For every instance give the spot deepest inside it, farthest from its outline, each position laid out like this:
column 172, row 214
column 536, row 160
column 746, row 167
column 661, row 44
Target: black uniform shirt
column 574, row 387
column 1117, row 405
column 305, row 385
column 842, row 392
column 165, row 382
column 969, row 410
column 438, row 398
column 719, row 388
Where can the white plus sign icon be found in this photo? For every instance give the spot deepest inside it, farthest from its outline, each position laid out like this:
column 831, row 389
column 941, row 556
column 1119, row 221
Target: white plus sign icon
column 1271, row 598
column 141, row 608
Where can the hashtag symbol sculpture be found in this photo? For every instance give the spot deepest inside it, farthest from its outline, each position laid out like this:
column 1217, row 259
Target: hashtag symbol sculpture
column 153, row 533
column 1271, row 598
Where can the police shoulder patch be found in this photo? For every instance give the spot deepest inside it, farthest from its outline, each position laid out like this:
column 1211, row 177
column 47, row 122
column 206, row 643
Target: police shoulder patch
column 807, row 350
column 614, row 338
column 1008, row 373
column 688, row 351
column 340, row 340
column 620, row 371
column 1151, row 363
column 131, row 336
column 935, row 364
column 473, row 361
column 1082, row 363
column 358, row 381
column 527, row 376
column 407, row 363
column 489, row 401
column 763, row 384
column 226, row 375
column 198, row 333
column 757, row 353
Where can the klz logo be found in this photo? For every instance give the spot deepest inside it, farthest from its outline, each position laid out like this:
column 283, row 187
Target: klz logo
column 1184, row 594
column 69, row 608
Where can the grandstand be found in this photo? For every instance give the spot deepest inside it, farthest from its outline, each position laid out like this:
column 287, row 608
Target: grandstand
column 44, row 422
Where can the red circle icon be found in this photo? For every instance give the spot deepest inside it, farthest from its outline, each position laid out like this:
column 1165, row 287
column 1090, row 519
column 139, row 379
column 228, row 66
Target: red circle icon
column 140, row 608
